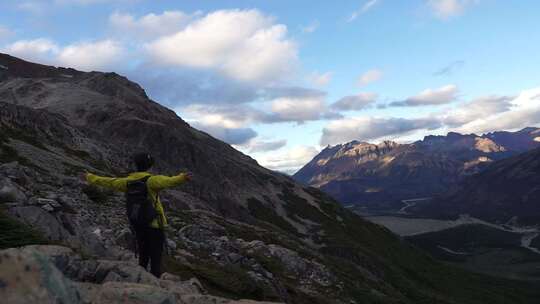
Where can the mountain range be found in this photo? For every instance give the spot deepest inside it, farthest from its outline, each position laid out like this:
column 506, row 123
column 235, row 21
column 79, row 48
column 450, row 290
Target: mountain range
column 381, row 176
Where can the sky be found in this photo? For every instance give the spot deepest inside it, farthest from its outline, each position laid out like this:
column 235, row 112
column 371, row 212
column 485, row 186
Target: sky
column 281, row 80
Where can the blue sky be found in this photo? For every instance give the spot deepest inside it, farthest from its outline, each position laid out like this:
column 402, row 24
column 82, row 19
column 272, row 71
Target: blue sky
column 282, row 79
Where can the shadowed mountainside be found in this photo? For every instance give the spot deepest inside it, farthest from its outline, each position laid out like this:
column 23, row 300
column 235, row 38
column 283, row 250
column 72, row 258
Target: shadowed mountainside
column 507, row 190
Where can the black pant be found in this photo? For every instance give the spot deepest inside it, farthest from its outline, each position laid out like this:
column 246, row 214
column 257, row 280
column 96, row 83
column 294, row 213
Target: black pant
column 150, row 243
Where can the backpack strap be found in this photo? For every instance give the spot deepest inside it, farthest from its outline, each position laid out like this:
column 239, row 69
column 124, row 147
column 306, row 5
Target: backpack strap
column 159, row 218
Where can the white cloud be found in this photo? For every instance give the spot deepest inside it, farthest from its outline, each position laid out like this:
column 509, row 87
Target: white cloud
column 265, row 146
column 366, row 7
column 85, row 55
column 524, row 111
column 300, row 109
column 38, row 49
column 150, row 25
column 355, row 102
column 232, row 136
column 369, row 77
column 310, row 28
column 228, row 116
column 439, row 96
column 445, row 9
column 289, row 161
column 320, row 79
column 243, row 44
column 297, row 108
column 33, row 7
column 371, row 128
column 89, row 56
column 477, row 109
column 480, row 115
column 88, row 2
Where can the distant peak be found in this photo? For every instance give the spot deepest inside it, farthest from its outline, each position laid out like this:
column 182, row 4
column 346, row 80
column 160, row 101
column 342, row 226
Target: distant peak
column 454, row 134
column 528, row 130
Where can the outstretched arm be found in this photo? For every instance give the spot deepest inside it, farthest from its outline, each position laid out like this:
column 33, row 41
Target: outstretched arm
column 160, row 182
column 113, row 183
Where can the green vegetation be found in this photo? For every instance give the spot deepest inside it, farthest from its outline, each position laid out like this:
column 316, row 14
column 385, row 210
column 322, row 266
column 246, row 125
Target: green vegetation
column 263, row 213
column 28, row 137
column 9, row 154
column 353, row 245
column 229, row 281
column 467, row 238
column 15, row 234
column 96, row 194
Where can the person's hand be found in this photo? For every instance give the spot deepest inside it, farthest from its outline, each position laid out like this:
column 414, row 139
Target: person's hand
column 82, row 177
column 188, row 176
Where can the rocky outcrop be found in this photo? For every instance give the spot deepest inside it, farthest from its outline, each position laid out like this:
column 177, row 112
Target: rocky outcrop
column 55, row 274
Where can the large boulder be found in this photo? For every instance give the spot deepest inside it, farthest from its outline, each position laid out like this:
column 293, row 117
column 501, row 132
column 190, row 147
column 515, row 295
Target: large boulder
column 133, row 293
column 26, row 276
column 11, row 192
column 206, row 299
column 123, row 271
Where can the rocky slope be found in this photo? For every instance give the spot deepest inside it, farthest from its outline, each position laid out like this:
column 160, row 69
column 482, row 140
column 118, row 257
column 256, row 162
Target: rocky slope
column 380, row 176
column 242, row 230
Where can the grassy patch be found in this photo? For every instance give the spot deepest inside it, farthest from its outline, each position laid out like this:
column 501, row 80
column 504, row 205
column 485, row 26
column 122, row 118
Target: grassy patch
column 28, row 137
column 229, row 281
column 15, row 234
column 9, row 154
column 96, row 194
column 467, row 238
column 263, row 213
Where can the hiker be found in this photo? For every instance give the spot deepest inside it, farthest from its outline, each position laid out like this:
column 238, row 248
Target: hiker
column 144, row 209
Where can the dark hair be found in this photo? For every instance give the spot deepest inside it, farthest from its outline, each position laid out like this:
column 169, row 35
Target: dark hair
column 143, row 161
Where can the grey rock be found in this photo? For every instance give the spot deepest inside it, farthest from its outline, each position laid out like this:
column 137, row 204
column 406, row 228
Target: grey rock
column 62, row 257
column 171, row 244
column 127, row 271
column 41, row 219
column 234, row 258
column 118, row 292
column 181, row 288
column 30, row 277
column 113, row 277
column 10, row 192
column 170, row 277
column 206, row 299
column 47, row 208
column 88, row 292
column 47, row 201
column 125, row 238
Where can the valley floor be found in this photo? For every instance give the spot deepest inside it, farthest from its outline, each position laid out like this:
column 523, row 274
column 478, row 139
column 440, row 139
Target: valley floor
column 501, row 250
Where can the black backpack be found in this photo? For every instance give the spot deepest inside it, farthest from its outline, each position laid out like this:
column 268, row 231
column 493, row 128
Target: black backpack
column 139, row 206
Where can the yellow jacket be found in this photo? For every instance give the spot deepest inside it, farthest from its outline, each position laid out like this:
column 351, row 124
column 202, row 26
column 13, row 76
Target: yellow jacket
column 155, row 184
